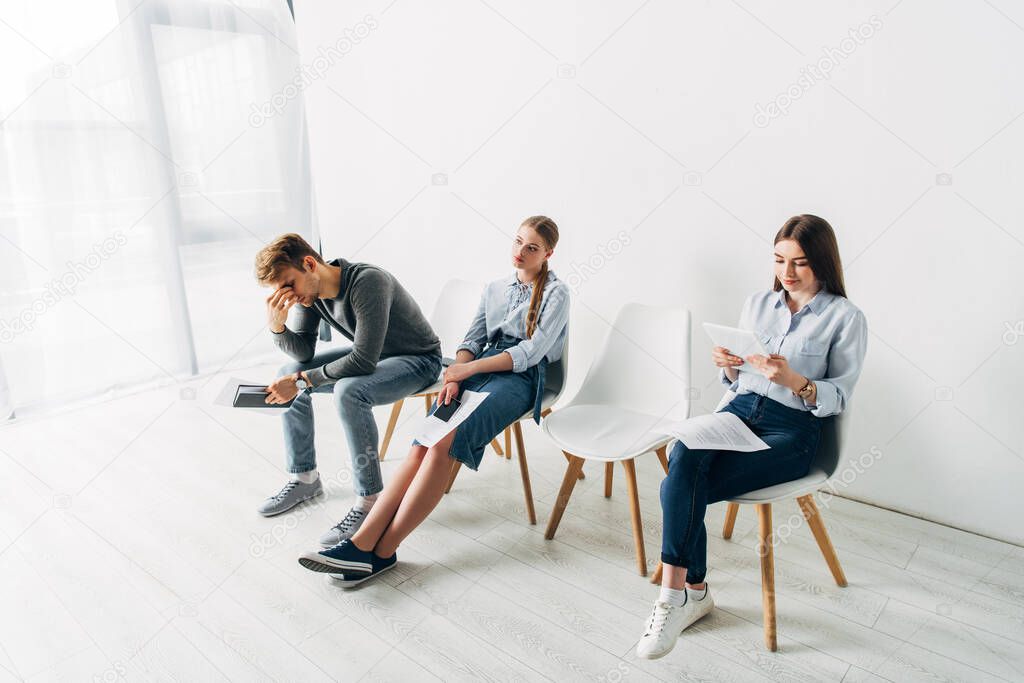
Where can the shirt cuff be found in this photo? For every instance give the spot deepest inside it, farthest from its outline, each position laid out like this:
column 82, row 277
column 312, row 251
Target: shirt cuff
column 827, row 398
column 317, row 376
column 472, row 347
column 519, row 360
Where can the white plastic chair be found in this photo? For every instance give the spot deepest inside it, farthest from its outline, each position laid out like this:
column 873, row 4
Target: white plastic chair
column 555, row 382
column 452, row 316
column 833, row 438
column 640, row 377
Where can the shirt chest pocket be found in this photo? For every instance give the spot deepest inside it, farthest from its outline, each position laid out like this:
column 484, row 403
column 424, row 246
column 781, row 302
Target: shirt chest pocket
column 811, row 358
column 810, row 347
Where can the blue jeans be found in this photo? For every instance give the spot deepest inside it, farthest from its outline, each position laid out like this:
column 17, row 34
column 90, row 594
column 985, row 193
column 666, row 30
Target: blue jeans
column 699, row 477
column 354, row 398
column 512, row 395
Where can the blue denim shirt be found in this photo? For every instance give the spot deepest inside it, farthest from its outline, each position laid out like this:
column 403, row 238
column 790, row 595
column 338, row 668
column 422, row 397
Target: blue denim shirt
column 824, row 341
column 502, row 311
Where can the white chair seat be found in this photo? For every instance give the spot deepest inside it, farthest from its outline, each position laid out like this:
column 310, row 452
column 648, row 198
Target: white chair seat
column 786, row 490
column 434, row 388
column 603, row 432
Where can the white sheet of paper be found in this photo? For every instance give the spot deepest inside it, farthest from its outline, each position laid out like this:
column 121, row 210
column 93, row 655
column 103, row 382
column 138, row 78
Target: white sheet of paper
column 717, row 431
column 226, row 398
column 433, row 430
column 740, row 342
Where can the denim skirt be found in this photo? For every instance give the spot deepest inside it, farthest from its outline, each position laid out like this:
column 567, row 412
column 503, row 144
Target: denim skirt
column 512, row 395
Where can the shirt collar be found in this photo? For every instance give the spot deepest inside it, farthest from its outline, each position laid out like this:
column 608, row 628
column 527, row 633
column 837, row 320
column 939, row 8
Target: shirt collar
column 817, row 304
column 513, row 281
column 345, row 273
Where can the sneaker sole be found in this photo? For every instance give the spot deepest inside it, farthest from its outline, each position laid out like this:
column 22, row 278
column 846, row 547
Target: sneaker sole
column 319, row 563
column 352, row 583
column 292, row 506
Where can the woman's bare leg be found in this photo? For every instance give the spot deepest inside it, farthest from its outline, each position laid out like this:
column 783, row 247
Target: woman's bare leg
column 390, row 498
column 675, row 577
column 422, row 497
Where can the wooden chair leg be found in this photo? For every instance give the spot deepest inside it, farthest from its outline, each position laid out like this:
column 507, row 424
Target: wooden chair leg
column 497, row 448
column 456, row 466
column 392, row 421
column 569, row 458
column 813, row 517
column 656, row 577
column 766, row 552
column 663, row 458
column 572, row 474
column 508, row 442
column 730, row 520
column 609, row 472
column 525, row 471
column 634, row 510
column 428, row 399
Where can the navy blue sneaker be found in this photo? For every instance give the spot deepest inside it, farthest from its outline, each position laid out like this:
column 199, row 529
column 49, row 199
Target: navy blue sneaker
column 380, row 565
column 344, row 557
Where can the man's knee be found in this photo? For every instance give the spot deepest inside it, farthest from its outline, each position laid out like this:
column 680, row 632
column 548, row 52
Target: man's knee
column 350, row 394
column 288, row 369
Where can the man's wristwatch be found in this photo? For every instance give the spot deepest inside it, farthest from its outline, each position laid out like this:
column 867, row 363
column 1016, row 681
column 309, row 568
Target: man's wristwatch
column 301, row 384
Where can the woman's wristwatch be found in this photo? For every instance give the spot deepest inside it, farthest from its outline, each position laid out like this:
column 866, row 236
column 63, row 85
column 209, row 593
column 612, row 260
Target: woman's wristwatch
column 300, row 383
column 806, row 391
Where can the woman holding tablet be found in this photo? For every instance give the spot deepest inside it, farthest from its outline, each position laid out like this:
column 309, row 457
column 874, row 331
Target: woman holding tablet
column 519, row 328
column 816, row 339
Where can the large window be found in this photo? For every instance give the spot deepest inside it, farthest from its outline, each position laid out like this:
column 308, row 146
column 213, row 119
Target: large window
column 141, row 168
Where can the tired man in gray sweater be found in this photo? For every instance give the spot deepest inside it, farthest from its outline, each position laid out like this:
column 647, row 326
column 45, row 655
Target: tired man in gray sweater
column 394, row 353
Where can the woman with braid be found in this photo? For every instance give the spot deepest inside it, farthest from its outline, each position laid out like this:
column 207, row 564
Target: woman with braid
column 519, row 328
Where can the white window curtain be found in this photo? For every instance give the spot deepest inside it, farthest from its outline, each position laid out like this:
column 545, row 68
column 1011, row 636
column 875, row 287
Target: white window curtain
column 148, row 149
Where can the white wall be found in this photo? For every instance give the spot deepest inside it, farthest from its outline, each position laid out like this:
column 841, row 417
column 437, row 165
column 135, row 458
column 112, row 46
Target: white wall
column 635, row 122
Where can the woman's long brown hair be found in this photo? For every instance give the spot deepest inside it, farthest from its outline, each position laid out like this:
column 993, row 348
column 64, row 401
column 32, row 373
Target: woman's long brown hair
column 548, row 231
column 816, row 237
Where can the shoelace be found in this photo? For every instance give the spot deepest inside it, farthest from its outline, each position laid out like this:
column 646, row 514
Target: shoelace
column 656, row 622
column 286, row 489
column 351, row 518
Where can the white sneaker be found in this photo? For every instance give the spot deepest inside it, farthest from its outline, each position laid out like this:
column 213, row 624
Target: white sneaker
column 667, row 622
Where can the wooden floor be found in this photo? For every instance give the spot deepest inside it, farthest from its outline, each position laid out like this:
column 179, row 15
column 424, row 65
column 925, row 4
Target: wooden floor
column 131, row 550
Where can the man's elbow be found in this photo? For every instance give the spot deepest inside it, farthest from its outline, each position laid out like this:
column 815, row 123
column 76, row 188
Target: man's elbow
column 303, row 355
column 363, row 366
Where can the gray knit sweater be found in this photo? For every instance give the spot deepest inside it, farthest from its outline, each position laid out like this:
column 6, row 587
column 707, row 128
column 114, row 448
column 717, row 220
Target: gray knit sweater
column 374, row 311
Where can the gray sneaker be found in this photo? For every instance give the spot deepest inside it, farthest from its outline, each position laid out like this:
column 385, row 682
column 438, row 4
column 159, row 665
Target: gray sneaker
column 343, row 530
column 290, row 495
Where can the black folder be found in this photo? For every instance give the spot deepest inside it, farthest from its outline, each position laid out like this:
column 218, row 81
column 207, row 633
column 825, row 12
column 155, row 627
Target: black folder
column 254, row 396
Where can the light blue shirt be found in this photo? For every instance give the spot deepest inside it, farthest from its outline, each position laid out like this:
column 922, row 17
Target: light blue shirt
column 824, row 341
column 503, row 308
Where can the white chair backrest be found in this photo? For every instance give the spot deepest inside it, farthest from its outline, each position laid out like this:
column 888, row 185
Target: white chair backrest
column 454, row 312
column 834, row 435
column 644, row 365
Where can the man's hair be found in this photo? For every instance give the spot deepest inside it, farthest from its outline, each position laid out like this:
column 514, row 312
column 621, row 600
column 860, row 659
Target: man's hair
column 287, row 250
